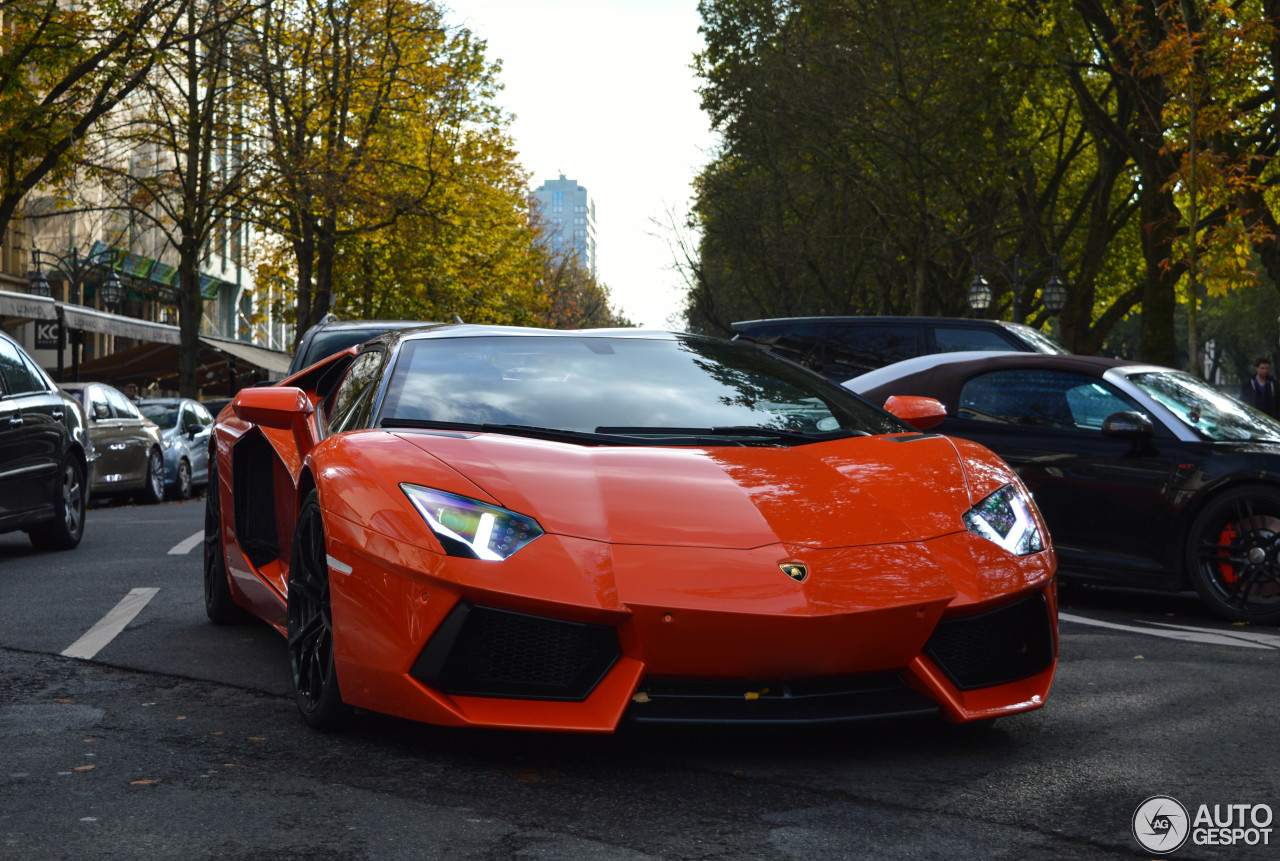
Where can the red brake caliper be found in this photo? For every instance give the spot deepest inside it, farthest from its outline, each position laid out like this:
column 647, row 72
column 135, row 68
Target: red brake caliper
column 1225, row 568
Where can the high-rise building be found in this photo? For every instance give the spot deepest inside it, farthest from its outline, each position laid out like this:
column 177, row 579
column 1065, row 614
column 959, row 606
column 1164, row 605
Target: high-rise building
column 569, row 215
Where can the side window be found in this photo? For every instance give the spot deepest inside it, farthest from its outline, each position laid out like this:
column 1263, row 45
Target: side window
column 120, row 406
column 794, row 342
column 17, row 376
column 954, row 339
column 202, row 415
column 354, row 397
column 188, row 418
column 98, row 406
column 853, row 350
column 1049, row 399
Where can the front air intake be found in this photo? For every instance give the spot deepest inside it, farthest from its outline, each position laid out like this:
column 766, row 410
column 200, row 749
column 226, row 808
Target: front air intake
column 998, row 646
column 486, row 652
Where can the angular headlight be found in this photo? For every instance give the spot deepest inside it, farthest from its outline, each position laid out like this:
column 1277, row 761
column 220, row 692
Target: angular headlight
column 470, row 528
column 1005, row 518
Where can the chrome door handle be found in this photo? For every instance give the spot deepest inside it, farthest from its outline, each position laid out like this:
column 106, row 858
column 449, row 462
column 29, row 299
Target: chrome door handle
column 15, row 421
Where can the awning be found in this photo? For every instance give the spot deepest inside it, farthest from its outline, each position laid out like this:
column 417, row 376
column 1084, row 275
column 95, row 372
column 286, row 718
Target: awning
column 27, row 305
column 272, row 361
column 89, row 320
column 223, row 366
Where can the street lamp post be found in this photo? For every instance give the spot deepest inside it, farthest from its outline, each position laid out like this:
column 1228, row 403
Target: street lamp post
column 76, row 267
column 1016, row 273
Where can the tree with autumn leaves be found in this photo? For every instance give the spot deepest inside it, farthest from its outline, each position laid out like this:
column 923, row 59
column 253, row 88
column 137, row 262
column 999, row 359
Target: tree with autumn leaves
column 873, row 147
column 362, row 139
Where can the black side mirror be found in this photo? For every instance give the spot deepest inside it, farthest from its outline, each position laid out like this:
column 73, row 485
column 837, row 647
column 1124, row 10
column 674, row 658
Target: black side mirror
column 192, row 430
column 1127, row 425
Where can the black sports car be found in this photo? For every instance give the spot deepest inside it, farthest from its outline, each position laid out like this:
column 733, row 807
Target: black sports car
column 1146, row 476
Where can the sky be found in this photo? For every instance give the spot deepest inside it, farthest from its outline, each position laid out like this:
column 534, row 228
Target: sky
column 603, row 92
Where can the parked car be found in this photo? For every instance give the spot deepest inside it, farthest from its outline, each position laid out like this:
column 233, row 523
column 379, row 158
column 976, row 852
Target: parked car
column 332, row 335
column 535, row 529
column 184, row 426
column 1147, row 476
column 130, row 448
column 843, row 347
column 46, row 456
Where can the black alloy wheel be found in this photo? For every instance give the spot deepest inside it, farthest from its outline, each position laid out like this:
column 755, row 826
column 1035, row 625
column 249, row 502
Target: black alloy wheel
column 67, row 528
column 1233, row 555
column 315, row 680
column 219, row 606
column 153, row 490
column 182, row 487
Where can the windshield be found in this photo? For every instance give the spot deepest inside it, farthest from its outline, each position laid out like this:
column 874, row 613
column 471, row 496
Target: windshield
column 165, row 415
column 624, row 386
column 1204, row 409
column 1037, row 339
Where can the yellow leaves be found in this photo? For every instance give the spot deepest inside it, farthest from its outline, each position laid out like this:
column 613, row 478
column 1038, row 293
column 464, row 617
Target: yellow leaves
column 151, row 781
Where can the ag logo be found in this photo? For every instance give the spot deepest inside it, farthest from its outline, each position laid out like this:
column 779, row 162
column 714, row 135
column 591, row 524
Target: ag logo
column 1161, row 825
column 795, row 570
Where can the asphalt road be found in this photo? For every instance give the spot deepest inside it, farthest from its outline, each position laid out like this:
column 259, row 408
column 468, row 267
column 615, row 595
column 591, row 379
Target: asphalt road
column 176, row 739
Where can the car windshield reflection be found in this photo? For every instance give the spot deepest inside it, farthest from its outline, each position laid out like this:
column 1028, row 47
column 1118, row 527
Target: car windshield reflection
column 1207, row 411
column 625, row 386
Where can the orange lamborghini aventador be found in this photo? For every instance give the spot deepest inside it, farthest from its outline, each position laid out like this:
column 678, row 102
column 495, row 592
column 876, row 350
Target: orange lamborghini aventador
column 499, row 527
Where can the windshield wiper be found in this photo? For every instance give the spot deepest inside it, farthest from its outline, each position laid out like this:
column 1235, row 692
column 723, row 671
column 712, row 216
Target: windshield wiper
column 735, row 430
column 532, row 431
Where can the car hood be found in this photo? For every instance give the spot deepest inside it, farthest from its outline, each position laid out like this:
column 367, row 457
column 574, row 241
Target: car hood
column 843, row 493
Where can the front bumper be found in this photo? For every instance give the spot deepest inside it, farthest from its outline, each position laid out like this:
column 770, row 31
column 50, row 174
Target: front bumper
column 577, row 636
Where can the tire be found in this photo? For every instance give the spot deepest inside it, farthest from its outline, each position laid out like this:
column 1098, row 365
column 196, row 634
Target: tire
column 153, row 490
column 311, row 636
column 1233, row 555
column 67, row 528
column 182, row 485
column 219, row 606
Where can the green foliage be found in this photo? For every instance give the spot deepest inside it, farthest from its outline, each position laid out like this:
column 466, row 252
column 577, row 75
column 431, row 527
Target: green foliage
column 871, row 147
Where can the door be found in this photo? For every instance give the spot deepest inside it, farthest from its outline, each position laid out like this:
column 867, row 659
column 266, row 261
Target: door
column 1106, row 501
column 15, row 477
column 135, row 444
column 198, row 443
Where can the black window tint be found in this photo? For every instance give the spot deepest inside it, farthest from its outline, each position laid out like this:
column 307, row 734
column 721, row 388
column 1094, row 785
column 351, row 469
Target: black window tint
column 853, row 350
column 352, row 400
column 794, row 341
column 17, row 377
column 952, row 340
column 1052, row 399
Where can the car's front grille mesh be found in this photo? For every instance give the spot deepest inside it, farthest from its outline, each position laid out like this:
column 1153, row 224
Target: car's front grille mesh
column 992, row 648
column 482, row 651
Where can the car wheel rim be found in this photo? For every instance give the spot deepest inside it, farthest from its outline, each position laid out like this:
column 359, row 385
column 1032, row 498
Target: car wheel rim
column 71, row 499
column 184, row 478
column 1239, row 555
column 310, row 620
column 155, row 472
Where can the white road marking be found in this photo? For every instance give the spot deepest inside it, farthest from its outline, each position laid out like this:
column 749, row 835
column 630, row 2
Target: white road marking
column 1184, row 633
column 182, row 548
column 110, row 625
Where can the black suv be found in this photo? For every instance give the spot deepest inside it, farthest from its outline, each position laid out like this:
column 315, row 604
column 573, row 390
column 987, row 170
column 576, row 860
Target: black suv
column 45, row 454
column 840, row 348
column 332, row 335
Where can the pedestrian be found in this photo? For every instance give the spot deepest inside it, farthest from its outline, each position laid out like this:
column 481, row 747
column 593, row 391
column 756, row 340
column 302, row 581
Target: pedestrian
column 1260, row 390
column 131, row 391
